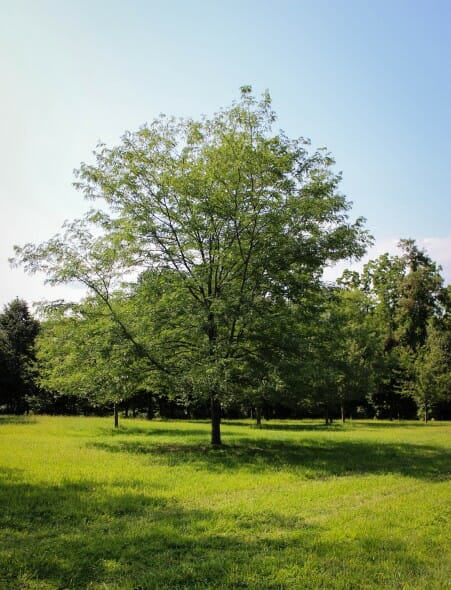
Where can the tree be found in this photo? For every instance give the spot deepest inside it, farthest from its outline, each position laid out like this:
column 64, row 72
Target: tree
column 353, row 338
column 407, row 297
column 431, row 371
column 240, row 219
column 82, row 352
column 18, row 330
column 8, row 372
column 420, row 294
column 342, row 344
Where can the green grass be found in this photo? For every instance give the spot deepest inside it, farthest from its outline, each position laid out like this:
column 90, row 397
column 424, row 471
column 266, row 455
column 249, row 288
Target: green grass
column 290, row 505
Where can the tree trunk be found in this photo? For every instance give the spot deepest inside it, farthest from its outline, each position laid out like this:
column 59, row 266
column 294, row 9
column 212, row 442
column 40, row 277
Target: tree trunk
column 215, row 422
column 116, row 416
column 343, row 417
column 215, row 404
column 326, row 417
column 258, row 415
column 426, row 408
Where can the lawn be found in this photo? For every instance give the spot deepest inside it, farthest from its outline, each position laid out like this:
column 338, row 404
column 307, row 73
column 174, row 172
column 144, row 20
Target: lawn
column 290, row 505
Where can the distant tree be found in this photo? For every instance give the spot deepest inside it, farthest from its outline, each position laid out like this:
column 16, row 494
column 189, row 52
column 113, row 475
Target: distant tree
column 380, row 281
column 18, row 330
column 340, row 359
column 420, row 295
column 355, row 339
column 83, row 353
column 431, row 374
column 407, row 300
column 8, row 372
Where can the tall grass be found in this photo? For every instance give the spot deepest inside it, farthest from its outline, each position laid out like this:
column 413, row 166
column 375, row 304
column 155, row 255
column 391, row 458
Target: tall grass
column 288, row 505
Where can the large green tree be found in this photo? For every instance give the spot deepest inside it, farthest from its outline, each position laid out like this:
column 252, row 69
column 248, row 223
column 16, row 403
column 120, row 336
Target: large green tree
column 239, row 219
column 409, row 303
column 18, row 330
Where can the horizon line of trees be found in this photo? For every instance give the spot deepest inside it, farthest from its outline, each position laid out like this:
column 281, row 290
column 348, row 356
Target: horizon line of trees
column 378, row 345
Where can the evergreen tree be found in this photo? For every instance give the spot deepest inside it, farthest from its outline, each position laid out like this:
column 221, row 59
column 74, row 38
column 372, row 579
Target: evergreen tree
column 18, row 330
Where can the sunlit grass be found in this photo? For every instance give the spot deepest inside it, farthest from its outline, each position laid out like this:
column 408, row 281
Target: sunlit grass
column 287, row 505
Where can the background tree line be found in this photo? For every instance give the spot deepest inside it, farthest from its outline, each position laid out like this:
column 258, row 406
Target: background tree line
column 377, row 343
column 204, row 266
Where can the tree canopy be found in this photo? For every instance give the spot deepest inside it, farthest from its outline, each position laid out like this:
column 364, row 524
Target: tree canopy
column 409, row 308
column 18, row 330
column 228, row 226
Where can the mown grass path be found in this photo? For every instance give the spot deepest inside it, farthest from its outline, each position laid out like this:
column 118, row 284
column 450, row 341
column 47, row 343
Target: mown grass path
column 289, row 505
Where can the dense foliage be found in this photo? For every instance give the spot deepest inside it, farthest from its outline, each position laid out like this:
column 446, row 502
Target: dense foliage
column 18, row 330
column 204, row 271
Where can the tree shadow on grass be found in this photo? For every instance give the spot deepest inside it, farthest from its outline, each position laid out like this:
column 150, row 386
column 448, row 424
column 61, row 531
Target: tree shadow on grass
column 339, row 426
column 288, row 427
column 309, row 458
column 77, row 536
column 152, row 431
column 64, row 505
column 22, row 420
column 155, row 430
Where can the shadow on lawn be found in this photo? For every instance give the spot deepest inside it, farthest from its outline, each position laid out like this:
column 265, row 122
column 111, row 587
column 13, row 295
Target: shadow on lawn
column 301, row 426
column 153, row 428
column 80, row 535
column 310, row 458
column 152, row 431
column 335, row 426
column 12, row 419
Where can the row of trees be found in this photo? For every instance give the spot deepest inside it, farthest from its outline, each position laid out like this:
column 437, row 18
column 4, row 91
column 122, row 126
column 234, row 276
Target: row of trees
column 396, row 336
column 204, row 274
column 378, row 343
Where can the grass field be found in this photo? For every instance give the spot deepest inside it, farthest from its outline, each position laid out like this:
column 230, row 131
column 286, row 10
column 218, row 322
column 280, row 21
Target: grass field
column 288, row 505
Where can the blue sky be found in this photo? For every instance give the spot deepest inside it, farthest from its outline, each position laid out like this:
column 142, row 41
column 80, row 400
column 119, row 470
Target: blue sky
column 369, row 80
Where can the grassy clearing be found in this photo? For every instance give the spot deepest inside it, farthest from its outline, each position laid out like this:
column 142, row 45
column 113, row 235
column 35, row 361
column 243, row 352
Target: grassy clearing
column 289, row 505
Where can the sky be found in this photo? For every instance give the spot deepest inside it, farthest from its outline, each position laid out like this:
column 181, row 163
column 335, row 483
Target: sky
column 369, row 80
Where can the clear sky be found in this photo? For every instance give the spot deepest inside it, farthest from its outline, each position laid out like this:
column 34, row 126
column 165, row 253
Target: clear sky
column 369, row 80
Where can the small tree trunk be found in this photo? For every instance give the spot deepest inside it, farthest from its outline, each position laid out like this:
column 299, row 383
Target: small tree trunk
column 215, row 422
column 258, row 415
column 116, row 416
column 426, row 408
column 343, row 417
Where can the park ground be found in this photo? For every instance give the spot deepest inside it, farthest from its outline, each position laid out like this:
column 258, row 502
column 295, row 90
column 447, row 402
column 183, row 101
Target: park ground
column 289, row 505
